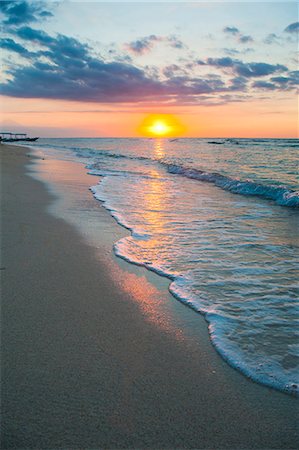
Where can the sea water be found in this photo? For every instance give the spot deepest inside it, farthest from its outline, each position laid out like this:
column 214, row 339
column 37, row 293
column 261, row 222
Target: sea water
column 219, row 218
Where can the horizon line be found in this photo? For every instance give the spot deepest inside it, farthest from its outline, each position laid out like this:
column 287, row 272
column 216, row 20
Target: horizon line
column 159, row 138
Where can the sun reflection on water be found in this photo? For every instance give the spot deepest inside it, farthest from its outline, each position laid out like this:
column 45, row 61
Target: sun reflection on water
column 159, row 150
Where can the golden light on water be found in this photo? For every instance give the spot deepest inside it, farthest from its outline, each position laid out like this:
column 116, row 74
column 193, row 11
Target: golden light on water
column 161, row 125
column 159, row 151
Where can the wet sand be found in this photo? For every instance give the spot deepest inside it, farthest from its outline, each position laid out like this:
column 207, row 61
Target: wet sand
column 95, row 352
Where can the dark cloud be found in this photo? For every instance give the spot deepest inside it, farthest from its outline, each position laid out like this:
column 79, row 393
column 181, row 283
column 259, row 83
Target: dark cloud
column 265, row 85
column 290, row 81
column 175, row 42
column 58, row 48
column 106, row 83
column 69, row 47
column 231, row 30
column 272, row 38
column 238, row 84
column 247, row 70
column 11, row 45
column 71, row 73
column 260, row 69
column 145, row 44
column 21, row 12
column 292, row 28
column 171, row 70
column 295, row 75
column 37, row 36
column 101, row 82
column 245, row 39
column 45, row 14
column 221, row 62
column 64, row 68
column 234, row 31
column 281, row 80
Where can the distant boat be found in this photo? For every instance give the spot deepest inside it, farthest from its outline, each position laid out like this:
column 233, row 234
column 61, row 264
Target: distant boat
column 16, row 137
column 30, row 139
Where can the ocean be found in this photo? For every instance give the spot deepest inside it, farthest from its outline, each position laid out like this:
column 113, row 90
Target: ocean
column 219, row 218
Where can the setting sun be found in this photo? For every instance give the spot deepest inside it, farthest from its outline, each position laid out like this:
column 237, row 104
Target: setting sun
column 159, row 128
column 161, row 125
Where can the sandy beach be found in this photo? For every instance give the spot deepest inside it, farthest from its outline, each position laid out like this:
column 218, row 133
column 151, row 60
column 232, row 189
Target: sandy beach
column 95, row 352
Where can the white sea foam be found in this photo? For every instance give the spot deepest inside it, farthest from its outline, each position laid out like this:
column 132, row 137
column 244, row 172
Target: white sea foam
column 236, row 336
column 280, row 194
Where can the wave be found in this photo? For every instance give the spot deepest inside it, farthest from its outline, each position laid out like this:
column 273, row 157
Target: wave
column 88, row 152
column 218, row 323
column 280, row 194
column 95, row 169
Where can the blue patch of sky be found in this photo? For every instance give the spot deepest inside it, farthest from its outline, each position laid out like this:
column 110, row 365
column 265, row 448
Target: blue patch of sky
column 199, row 24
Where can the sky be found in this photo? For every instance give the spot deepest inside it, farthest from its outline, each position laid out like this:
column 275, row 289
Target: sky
column 99, row 69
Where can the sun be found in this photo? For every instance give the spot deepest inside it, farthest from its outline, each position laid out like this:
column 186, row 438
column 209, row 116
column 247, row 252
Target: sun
column 160, row 125
column 159, row 128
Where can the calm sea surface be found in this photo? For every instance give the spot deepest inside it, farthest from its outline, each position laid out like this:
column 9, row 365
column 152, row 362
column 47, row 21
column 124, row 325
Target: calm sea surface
column 219, row 217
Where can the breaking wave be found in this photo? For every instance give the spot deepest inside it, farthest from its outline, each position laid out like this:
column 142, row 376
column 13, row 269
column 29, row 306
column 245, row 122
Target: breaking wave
column 280, row 194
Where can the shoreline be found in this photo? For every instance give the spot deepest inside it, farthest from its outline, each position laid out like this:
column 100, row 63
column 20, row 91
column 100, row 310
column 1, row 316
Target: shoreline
column 126, row 368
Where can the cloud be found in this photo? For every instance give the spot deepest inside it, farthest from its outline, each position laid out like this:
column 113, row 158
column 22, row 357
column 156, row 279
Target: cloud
column 96, row 81
column 234, row 51
column 36, row 36
column 231, row 51
column 235, row 32
column 175, row 42
column 290, row 81
column 144, row 45
column 292, row 28
column 20, row 12
column 11, row 45
column 294, row 77
column 45, row 14
column 64, row 68
column 171, row 70
column 272, row 38
column 247, row 70
column 245, row 39
column 287, row 82
column 71, row 73
column 238, row 84
column 60, row 47
column 259, row 69
column 281, row 80
column 221, row 62
column 265, row 85
column 231, row 30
